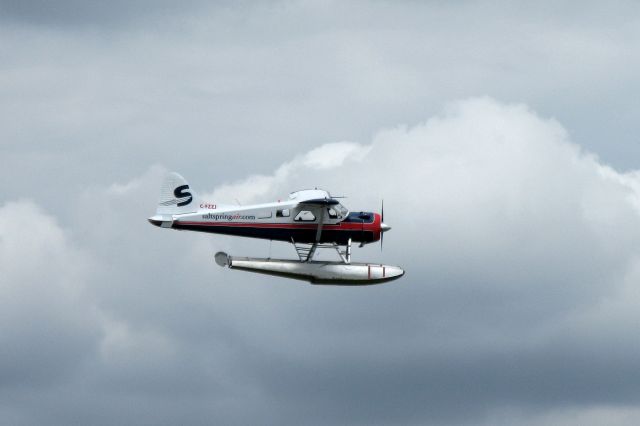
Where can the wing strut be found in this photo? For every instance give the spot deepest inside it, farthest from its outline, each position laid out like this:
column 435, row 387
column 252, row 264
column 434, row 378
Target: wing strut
column 306, row 251
column 318, row 234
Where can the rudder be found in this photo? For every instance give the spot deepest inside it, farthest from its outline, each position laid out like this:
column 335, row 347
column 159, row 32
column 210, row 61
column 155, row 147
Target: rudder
column 175, row 196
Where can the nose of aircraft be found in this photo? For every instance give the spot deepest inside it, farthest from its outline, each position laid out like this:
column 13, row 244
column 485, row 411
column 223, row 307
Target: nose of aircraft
column 384, row 227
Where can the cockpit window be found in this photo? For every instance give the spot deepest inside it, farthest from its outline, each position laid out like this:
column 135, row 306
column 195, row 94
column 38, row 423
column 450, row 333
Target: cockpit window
column 341, row 211
column 305, row 216
column 282, row 213
column 332, row 213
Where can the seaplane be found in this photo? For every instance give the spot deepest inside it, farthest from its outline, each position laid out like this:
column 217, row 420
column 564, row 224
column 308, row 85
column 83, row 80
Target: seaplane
column 309, row 219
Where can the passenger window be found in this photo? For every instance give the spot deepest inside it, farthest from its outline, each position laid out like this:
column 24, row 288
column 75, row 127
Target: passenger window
column 282, row 213
column 305, row 216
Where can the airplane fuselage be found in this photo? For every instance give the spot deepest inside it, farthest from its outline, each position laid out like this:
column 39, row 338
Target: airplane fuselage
column 282, row 221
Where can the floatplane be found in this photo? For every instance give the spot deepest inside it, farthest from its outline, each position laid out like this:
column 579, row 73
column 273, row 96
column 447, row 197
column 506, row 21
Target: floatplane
column 309, row 219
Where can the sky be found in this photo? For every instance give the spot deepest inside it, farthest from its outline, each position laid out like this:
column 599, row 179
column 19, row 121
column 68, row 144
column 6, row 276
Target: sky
column 502, row 137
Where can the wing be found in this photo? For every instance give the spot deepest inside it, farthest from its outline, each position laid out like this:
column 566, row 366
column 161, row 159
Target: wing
column 319, row 202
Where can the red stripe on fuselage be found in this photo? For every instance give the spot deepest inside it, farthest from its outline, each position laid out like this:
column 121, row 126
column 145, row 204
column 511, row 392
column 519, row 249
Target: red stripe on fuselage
column 333, row 227
column 373, row 227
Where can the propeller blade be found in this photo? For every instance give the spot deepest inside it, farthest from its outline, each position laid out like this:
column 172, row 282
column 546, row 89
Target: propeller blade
column 382, row 221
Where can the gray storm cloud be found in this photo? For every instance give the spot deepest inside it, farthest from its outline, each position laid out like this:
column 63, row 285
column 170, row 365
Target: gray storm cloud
column 519, row 305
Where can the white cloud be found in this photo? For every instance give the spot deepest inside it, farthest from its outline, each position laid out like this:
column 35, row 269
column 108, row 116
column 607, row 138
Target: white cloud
column 521, row 258
column 49, row 323
column 301, row 172
column 514, row 240
column 597, row 415
column 520, row 246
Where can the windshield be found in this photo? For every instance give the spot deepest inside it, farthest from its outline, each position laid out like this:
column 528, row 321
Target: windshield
column 341, row 210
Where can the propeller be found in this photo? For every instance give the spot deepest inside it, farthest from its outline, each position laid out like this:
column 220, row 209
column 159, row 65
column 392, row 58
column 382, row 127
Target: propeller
column 382, row 221
column 383, row 226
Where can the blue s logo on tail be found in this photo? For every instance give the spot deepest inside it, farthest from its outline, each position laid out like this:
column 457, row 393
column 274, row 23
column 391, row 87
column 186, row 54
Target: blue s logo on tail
column 176, row 197
column 181, row 193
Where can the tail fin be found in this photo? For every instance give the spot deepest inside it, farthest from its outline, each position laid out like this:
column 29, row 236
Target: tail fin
column 176, row 197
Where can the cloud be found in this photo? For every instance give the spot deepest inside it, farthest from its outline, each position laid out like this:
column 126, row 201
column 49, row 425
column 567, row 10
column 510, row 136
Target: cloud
column 94, row 92
column 73, row 14
column 518, row 306
column 49, row 323
column 520, row 299
column 520, row 253
column 303, row 170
